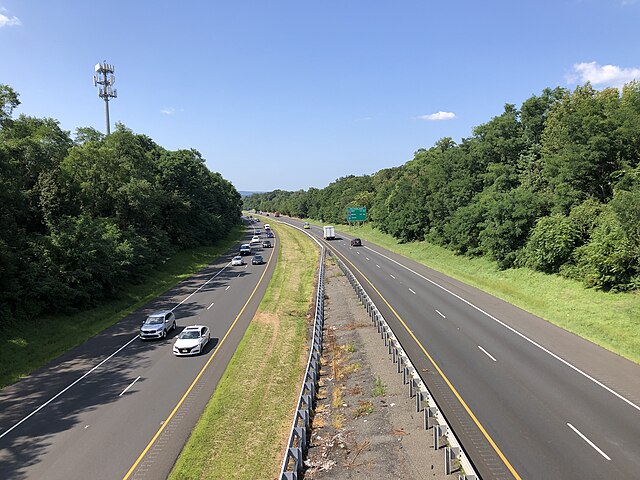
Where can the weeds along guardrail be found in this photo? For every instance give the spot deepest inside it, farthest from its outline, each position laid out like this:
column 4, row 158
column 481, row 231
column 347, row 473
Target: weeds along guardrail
column 292, row 465
column 455, row 459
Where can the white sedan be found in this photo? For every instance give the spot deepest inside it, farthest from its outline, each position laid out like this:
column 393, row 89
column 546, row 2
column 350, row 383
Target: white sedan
column 192, row 340
column 237, row 260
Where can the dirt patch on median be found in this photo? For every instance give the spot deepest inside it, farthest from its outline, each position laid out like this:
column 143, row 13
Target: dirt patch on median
column 365, row 425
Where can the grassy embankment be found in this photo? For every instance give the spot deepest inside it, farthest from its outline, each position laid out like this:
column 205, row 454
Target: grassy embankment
column 244, row 428
column 611, row 320
column 29, row 345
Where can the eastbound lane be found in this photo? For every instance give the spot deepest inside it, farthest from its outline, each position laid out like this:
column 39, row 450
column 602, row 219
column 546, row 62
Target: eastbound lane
column 554, row 405
column 95, row 429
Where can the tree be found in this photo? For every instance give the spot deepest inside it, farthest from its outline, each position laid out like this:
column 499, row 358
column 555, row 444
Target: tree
column 8, row 102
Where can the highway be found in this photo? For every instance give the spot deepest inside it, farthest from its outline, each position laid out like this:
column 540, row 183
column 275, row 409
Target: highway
column 117, row 407
column 527, row 399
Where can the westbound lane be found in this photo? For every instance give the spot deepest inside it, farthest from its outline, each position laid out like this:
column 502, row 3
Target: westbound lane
column 99, row 427
column 546, row 418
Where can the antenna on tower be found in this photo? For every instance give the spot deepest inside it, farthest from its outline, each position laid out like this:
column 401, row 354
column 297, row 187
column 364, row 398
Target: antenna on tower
column 105, row 78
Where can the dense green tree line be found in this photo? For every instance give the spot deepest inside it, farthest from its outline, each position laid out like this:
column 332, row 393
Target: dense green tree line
column 79, row 218
column 553, row 186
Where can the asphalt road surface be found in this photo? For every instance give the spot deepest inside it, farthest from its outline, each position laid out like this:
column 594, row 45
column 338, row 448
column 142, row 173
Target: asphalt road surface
column 118, row 407
column 527, row 399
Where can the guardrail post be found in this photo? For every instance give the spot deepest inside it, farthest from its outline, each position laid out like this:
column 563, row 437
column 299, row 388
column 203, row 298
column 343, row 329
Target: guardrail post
column 429, row 417
column 451, row 454
column 302, row 434
column 439, row 431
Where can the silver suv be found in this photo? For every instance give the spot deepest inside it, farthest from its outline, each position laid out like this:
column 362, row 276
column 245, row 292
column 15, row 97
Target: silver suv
column 158, row 324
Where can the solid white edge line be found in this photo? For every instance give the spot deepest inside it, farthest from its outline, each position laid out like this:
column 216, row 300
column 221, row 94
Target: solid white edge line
column 487, row 353
column 68, row 387
column 440, row 313
column 557, row 357
column 595, row 447
column 132, row 384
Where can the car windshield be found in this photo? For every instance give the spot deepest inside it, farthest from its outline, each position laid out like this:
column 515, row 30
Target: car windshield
column 189, row 335
column 154, row 320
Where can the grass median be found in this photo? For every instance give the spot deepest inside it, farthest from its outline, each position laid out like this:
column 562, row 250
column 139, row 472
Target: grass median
column 31, row 344
column 245, row 426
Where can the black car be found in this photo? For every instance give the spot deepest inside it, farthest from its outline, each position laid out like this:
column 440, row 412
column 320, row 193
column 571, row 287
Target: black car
column 266, row 244
column 356, row 242
column 257, row 260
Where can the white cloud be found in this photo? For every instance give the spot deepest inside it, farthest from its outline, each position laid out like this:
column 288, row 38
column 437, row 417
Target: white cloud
column 168, row 111
column 438, row 116
column 610, row 75
column 8, row 21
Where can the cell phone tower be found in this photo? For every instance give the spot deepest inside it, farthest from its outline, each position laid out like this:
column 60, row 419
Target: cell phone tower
column 105, row 78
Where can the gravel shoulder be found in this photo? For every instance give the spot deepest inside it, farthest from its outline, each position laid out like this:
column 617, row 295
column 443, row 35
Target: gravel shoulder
column 365, row 424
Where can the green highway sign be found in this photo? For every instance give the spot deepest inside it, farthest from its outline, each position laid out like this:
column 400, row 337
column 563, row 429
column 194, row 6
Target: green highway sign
column 356, row 214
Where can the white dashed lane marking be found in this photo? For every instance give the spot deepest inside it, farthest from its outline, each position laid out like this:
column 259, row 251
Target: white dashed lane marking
column 593, row 445
column 487, row 353
column 125, row 390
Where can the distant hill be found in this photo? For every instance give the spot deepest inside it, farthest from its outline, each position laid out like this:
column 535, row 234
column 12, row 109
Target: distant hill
column 246, row 194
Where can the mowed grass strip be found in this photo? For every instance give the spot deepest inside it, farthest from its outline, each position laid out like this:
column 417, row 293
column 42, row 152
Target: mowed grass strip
column 30, row 345
column 611, row 320
column 244, row 428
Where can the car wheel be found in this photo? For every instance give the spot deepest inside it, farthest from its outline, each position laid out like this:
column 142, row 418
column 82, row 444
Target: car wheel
column 174, row 325
column 164, row 334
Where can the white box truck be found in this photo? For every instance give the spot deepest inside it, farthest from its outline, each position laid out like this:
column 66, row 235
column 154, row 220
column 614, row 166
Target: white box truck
column 329, row 232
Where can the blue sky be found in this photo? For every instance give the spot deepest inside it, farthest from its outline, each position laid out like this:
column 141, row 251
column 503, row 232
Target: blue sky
column 295, row 94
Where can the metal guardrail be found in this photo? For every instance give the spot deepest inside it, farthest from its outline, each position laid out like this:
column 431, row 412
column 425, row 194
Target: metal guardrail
column 292, row 465
column 443, row 436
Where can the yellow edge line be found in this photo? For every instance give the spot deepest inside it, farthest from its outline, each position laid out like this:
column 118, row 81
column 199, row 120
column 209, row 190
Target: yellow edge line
column 173, row 412
column 455, row 392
